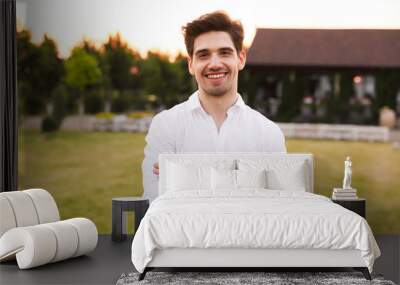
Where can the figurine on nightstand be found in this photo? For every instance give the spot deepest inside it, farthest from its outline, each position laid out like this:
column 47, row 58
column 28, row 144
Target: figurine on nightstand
column 347, row 173
column 347, row 192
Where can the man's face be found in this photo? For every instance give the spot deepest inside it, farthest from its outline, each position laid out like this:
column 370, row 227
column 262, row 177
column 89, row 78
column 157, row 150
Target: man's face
column 215, row 63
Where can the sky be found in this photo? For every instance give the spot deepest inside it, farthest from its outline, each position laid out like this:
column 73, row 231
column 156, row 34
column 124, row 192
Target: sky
column 156, row 24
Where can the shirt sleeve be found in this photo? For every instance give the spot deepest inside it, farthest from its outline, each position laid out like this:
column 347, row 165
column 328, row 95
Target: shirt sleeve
column 158, row 140
column 276, row 141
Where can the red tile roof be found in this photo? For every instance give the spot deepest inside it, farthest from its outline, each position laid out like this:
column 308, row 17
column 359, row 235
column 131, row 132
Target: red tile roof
column 325, row 48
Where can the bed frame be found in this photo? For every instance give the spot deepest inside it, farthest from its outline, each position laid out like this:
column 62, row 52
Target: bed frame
column 250, row 258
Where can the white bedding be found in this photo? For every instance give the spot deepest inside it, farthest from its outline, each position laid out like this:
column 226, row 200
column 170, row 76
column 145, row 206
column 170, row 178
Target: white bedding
column 251, row 218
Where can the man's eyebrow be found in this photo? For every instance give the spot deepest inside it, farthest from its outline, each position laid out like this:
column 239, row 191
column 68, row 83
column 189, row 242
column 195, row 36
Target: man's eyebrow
column 204, row 50
column 226, row 49
column 201, row 51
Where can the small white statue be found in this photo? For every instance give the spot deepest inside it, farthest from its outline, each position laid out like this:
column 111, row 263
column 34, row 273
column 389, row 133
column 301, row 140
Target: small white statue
column 347, row 174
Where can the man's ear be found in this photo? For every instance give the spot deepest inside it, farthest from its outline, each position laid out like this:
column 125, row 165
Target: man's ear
column 242, row 59
column 189, row 61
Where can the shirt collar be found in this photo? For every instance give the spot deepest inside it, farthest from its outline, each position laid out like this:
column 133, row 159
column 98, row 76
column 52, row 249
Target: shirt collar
column 194, row 102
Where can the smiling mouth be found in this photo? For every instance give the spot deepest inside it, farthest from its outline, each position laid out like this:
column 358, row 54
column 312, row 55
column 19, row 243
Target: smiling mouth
column 216, row 75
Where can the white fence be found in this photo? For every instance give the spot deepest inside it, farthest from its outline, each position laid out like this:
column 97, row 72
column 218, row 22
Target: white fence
column 121, row 123
column 335, row 132
column 291, row 130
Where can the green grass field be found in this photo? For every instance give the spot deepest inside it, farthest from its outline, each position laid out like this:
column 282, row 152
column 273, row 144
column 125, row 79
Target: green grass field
column 84, row 170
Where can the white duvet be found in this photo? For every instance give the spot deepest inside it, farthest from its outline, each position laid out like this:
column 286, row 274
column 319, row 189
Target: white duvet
column 250, row 219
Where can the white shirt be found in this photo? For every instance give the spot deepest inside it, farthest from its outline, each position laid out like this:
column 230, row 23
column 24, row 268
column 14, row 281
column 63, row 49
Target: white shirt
column 186, row 127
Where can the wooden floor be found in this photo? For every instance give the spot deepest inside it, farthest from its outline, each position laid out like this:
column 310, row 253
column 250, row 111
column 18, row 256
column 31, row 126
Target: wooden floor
column 111, row 259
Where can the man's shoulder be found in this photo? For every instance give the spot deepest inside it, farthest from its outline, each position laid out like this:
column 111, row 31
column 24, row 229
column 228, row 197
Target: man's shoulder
column 271, row 136
column 261, row 120
column 171, row 113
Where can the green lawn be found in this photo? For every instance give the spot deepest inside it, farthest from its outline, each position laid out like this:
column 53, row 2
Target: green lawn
column 84, row 170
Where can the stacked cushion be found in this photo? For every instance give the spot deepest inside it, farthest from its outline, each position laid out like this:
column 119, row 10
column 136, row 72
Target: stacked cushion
column 7, row 220
column 31, row 230
column 27, row 208
column 37, row 245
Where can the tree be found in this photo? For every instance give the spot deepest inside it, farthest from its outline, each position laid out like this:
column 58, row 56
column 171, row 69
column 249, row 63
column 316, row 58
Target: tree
column 27, row 54
column 187, row 83
column 39, row 71
column 121, row 60
column 123, row 67
column 51, row 69
column 387, row 86
column 169, row 81
column 105, row 84
column 152, row 78
column 249, row 82
column 82, row 73
column 293, row 88
column 346, row 92
column 338, row 103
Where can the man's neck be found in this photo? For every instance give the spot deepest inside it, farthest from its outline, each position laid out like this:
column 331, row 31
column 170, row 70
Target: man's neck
column 217, row 106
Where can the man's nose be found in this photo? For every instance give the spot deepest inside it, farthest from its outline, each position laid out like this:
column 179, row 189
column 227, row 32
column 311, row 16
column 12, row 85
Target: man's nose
column 215, row 62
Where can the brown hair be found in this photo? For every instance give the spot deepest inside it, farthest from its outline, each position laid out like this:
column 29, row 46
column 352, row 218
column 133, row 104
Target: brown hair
column 216, row 21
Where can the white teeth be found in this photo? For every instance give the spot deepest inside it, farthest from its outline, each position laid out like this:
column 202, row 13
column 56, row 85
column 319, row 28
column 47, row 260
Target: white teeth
column 215, row 75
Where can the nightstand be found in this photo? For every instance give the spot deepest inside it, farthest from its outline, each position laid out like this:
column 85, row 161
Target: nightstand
column 122, row 205
column 356, row 205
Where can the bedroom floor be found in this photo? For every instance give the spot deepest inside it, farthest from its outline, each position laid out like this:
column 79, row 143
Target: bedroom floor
column 111, row 259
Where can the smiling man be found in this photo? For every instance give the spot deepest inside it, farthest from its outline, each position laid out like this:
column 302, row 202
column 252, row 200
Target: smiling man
column 214, row 118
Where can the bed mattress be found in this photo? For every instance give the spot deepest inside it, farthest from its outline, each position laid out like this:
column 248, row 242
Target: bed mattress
column 250, row 219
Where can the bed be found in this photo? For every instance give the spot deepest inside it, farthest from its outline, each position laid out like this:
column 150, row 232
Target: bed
column 247, row 210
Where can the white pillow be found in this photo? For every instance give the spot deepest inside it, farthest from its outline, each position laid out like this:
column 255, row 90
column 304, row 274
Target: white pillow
column 251, row 178
column 223, row 179
column 188, row 177
column 281, row 174
column 293, row 178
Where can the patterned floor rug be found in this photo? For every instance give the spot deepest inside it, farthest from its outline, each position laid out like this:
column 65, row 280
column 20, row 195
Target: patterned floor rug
column 244, row 278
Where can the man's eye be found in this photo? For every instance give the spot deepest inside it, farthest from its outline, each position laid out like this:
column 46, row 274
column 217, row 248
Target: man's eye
column 202, row 55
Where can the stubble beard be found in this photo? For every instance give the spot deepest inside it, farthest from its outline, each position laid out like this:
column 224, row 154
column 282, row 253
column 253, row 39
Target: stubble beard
column 218, row 91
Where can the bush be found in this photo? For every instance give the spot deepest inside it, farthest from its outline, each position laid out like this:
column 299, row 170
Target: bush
column 50, row 124
column 104, row 115
column 140, row 114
